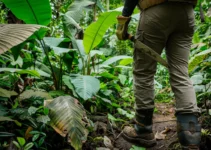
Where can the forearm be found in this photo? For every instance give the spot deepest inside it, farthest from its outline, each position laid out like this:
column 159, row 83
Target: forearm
column 129, row 6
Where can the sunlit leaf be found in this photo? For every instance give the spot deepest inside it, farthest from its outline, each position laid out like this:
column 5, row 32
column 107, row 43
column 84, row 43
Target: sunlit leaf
column 21, row 71
column 115, row 59
column 33, row 93
column 6, row 93
column 21, row 141
column 86, row 86
column 197, row 59
column 95, row 32
column 31, row 11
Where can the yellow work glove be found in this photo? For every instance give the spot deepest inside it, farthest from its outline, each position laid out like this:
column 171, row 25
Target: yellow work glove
column 122, row 28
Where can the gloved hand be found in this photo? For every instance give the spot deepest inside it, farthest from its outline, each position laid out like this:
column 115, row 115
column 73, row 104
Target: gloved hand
column 122, row 27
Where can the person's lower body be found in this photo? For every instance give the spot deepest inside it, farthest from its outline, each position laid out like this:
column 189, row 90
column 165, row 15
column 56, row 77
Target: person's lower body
column 169, row 25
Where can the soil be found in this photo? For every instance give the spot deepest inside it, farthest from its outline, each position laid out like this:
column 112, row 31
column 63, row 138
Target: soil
column 164, row 128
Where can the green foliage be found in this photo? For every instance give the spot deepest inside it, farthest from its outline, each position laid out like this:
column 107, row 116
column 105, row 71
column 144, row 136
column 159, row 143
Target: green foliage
column 21, row 144
column 95, row 32
column 197, row 59
column 31, row 12
column 85, row 86
column 137, row 148
column 96, row 69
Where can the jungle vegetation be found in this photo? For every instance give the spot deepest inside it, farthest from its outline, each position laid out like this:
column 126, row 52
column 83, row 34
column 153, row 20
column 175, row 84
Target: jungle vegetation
column 62, row 66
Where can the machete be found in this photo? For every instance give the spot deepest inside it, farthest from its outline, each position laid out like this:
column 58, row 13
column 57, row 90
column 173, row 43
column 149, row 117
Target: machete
column 149, row 51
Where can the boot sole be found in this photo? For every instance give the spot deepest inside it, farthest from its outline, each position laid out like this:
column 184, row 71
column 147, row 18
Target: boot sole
column 139, row 141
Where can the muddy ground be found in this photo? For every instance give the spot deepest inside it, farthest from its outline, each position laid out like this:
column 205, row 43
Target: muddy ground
column 108, row 136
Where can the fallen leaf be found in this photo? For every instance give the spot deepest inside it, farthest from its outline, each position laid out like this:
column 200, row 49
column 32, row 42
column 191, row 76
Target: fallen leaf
column 160, row 136
column 171, row 110
column 107, row 142
column 166, row 130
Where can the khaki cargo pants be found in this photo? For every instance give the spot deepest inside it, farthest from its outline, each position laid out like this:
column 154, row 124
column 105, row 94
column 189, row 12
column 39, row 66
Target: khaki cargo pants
column 169, row 25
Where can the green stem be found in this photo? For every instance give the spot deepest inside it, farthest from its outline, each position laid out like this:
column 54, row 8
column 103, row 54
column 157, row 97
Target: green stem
column 48, row 59
column 83, row 63
column 88, row 65
column 60, row 74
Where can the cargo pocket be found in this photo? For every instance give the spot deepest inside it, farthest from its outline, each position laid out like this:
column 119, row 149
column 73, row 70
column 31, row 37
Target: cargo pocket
column 138, row 56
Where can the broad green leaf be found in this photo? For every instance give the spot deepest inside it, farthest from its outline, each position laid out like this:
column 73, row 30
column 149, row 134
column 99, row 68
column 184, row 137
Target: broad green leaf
column 95, row 52
column 79, row 45
column 5, row 119
column 68, row 117
column 17, row 49
column 20, row 71
column 75, row 13
column 197, row 78
column 32, row 110
column 6, row 93
column 108, row 75
column 42, row 73
column 31, row 72
column 122, row 78
column 51, row 41
column 125, row 113
column 14, row 34
column 199, row 88
column 95, row 32
column 33, row 93
column 67, row 82
column 59, row 50
column 43, row 67
column 86, row 86
column 197, row 59
column 43, row 119
column 31, row 11
column 21, row 141
column 126, row 61
column 115, row 59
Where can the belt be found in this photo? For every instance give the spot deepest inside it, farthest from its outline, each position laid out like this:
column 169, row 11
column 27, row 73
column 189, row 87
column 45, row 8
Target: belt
column 144, row 4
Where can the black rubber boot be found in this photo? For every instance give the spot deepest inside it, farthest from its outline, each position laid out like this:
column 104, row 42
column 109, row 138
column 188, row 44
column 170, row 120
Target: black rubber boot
column 189, row 131
column 141, row 134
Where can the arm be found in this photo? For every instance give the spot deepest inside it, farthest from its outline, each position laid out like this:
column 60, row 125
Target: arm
column 129, row 7
column 124, row 20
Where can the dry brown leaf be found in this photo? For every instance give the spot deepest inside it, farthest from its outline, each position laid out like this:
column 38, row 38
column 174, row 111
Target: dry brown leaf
column 166, row 130
column 27, row 134
column 160, row 136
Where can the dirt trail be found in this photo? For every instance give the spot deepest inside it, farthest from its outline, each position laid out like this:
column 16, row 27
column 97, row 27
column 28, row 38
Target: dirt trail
column 164, row 128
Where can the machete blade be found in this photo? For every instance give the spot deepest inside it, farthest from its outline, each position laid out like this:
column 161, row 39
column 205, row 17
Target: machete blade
column 150, row 52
